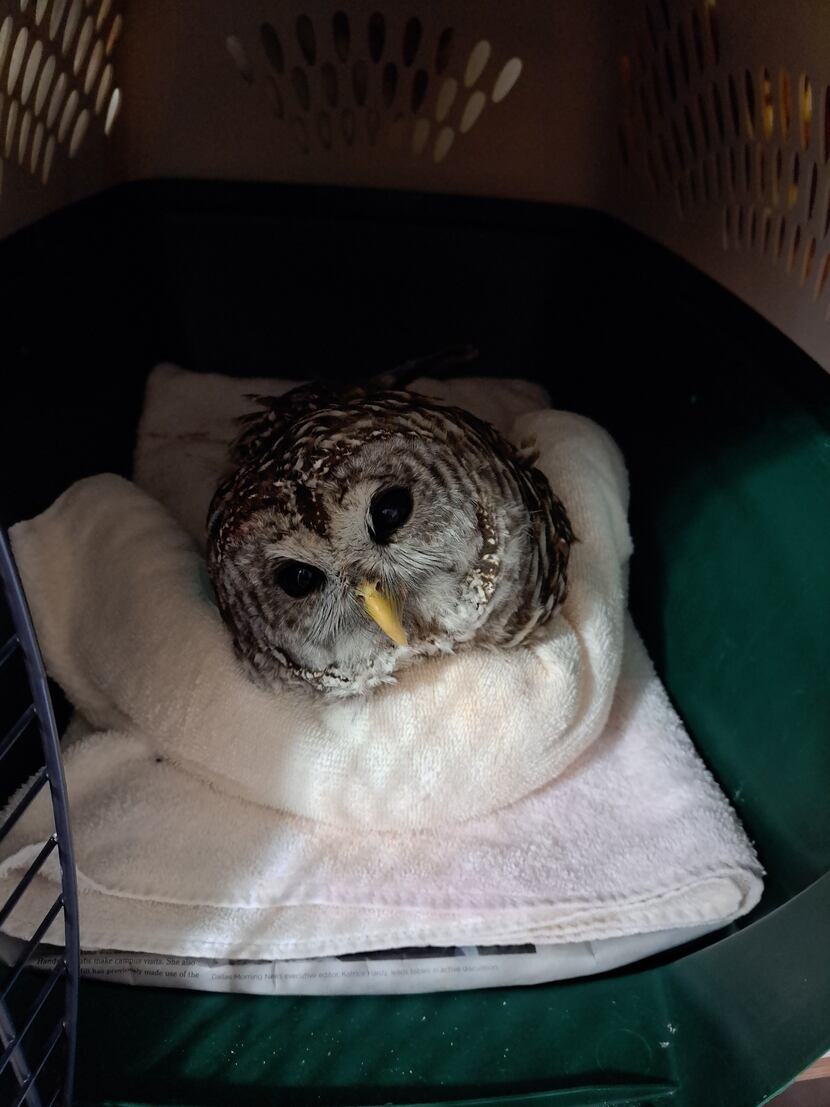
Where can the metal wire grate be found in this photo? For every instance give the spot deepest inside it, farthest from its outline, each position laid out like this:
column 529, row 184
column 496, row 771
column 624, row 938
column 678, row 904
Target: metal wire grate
column 29, row 1051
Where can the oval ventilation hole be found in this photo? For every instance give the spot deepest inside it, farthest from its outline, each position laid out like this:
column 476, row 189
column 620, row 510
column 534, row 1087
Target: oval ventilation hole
column 78, row 133
column 714, row 32
column 786, row 104
column 777, row 176
column 84, row 41
column 103, row 11
column 793, row 250
column 397, row 131
column 807, row 264
column 733, row 171
column 682, row 52
column 372, row 125
column 645, row 109
column 472, row 110
column 664, row 156
column 377, row 36
column 420, row 135
column 720, row 190
column 726, row 227
column 11, row 127
column 55, row 18
column 443, row 51
column 748, row 166
column 510, row 73
column 680, row 199
column 5, row 38
column 766, row 230
column 739, row 227
column 299, row 81
column 23, row 137
column 652, row 30
column 328, row 79
column 324, row 129
column 272, row 46
column 113, row 109
column 655, row 84
column 301, row 134
column 389, row 83
column 767, row 105
column 671, row 79
column 697, row 38
column 44, row 83
column 37, row 146
column 749, row 115
column 479, row 56
column 341, row 33
column 792, row 191
column 446, row 98
column 703, row 116
column 96, row 60
column 678, row 146
column 48, row 157
column 347, row 126
column 68, row 115
column 239, row 57
column 734, row 107
column 805, row 109
column 275, row 96
column 104, row 86
column 40, row 11
column 826, row 150
column 782, row 233
column 307, row 39
column 420, row 83
column 821, row 280
column 411, row 40
column 115, row 33
column 811, row 196
column 56, row 100
column 16, row 60
column 752, row 228
column 761, row 171
column 31, row 71
column 360, row 82
column 717, row 108
column 73, row 20
column 442, row 144
column 690, row 130
column 693, row 193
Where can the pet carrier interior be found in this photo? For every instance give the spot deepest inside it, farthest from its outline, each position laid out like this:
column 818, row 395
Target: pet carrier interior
column 626, row 201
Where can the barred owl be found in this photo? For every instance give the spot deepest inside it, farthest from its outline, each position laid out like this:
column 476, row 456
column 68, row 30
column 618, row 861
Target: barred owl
column 364, row 527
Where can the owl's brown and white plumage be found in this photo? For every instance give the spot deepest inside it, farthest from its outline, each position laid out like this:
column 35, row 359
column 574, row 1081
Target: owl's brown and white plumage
column 338, row 492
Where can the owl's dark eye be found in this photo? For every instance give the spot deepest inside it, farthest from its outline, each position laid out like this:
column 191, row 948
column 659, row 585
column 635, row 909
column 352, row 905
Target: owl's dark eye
column 298, row 579
column 389, row 510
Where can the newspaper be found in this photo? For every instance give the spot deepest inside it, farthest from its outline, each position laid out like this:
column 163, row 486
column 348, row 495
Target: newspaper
column 399, row 971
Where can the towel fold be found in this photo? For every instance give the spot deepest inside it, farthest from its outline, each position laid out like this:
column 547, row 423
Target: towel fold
column 546, row 795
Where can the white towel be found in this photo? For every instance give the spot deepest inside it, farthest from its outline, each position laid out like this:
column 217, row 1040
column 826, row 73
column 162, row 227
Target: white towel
column 173, row 856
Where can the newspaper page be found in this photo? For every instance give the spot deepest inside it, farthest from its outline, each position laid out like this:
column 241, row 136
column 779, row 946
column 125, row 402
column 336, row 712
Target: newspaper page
column 401, row 971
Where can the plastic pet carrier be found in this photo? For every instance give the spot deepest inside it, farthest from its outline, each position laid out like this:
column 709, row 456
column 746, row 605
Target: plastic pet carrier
column 628, row 201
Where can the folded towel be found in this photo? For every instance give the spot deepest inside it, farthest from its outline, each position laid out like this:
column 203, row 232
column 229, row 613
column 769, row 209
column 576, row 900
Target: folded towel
column 173, row 856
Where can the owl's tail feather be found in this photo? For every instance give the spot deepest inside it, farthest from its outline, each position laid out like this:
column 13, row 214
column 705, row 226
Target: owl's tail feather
column 441, row 364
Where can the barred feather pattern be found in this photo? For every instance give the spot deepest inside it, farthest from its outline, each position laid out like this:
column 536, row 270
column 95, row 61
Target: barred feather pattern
column 481, row 561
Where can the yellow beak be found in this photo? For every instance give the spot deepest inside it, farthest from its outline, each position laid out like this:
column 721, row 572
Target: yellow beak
column 380, row 608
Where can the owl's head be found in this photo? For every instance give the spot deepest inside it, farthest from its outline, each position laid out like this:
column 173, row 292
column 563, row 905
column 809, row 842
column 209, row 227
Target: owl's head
column 356, row 540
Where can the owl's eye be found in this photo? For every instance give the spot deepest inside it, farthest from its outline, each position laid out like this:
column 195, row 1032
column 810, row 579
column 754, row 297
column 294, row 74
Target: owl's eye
column 389, row 510
column 298, row 579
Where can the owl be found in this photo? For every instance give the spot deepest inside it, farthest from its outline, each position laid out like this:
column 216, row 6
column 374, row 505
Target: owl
column 364, row 527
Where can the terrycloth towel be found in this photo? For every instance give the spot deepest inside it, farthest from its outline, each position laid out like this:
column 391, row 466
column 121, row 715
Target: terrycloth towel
column 173, row 856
